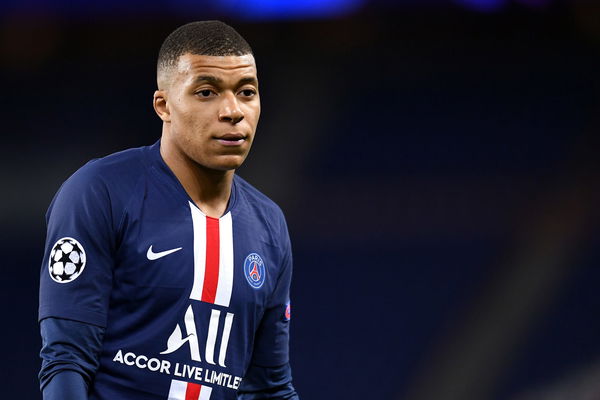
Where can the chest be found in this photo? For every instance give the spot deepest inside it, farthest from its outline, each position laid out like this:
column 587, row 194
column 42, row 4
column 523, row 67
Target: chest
column 170, row 253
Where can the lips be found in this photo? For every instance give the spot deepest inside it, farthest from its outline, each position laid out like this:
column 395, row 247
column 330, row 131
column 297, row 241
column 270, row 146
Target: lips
column 231, row 139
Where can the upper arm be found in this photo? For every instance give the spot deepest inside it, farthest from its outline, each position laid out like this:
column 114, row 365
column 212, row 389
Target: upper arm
column 76, row 271
column 271, row 344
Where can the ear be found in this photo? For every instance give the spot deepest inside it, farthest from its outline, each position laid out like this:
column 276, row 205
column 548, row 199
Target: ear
column 161, row 105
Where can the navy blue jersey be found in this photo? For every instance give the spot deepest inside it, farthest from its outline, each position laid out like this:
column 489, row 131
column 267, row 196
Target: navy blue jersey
column 187, row 301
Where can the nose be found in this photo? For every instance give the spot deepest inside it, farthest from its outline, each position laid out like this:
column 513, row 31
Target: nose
column 230, row 110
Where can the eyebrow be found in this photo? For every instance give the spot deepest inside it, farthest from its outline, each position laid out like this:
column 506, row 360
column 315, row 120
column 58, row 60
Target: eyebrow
column 208, row 78
column 216, row 81
column 248, row 80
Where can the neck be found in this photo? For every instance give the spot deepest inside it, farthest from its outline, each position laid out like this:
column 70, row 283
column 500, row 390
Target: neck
column 209, row 189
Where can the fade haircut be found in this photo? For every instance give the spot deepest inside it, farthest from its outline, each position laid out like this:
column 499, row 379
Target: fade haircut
column 206, row 38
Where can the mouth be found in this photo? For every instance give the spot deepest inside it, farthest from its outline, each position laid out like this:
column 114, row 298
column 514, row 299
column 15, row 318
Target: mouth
column 232, row 139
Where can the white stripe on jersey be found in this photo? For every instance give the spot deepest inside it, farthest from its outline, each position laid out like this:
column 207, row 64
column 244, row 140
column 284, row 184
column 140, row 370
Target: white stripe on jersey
column 177, row 390
column 205, row 393
column 225, row 279
column 199, row 224
column 225, row 285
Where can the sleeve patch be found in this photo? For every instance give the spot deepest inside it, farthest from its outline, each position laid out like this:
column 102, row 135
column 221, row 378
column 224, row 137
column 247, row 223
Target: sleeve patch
column 67, row 260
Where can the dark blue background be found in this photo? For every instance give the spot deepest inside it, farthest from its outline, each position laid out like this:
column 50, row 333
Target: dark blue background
column 437, row 165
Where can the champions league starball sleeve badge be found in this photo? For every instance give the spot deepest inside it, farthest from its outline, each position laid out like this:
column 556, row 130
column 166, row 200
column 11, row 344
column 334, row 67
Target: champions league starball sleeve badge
column 67, row 260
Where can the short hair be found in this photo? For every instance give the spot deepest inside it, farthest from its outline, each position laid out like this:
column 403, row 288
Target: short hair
column 207, row 38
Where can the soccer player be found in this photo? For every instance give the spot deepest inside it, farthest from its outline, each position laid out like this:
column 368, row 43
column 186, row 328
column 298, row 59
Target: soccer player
column 165, row 275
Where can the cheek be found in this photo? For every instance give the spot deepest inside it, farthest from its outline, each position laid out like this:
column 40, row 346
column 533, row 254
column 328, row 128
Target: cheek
column 191, row 122
column 253, row 114
column 258, row 113
column 179, row 115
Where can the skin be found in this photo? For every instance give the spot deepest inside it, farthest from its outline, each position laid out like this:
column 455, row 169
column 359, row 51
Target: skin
column 210, row 108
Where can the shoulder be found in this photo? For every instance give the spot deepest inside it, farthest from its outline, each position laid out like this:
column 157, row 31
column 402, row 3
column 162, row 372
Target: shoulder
column 113, row 169
column 257, row 200
column 265, row 209
column 269, row 217
column 115, row 175
column 106, row 182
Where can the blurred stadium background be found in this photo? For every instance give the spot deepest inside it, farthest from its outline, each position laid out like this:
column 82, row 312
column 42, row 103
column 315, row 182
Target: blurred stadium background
column 437, row 161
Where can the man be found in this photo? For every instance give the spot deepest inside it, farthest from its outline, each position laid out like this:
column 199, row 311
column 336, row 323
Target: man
column 166, row 276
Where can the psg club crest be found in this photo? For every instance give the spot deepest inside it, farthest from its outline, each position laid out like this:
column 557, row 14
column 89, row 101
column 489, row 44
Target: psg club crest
column 66, row 261
column 254, row 269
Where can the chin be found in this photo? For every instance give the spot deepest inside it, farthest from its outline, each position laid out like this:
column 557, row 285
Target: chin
column 227, row 163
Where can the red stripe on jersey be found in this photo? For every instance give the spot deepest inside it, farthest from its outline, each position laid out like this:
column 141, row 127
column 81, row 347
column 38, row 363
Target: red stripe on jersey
column 193, row 391
column 211, row 273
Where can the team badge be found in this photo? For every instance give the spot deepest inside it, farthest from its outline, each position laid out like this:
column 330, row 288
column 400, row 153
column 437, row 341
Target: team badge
column 66, row 261
column 254, row 269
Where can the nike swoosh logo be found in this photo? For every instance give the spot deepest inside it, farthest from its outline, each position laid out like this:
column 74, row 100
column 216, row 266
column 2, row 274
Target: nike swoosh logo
column 155, row 256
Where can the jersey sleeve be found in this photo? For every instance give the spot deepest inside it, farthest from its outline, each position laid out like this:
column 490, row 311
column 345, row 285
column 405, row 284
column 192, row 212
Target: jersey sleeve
column 66, row 385
column 261, row 383
column 269, row 375
column 76, row 272
column 271, row 344
column 68, row 347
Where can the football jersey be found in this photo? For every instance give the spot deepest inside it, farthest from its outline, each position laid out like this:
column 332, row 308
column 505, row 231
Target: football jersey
column 187, row 301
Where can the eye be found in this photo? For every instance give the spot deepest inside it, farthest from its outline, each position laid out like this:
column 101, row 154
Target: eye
column 248, row 92
column 204, row 93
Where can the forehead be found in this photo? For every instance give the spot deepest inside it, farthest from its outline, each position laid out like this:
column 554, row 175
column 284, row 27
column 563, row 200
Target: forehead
column 189, row 66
